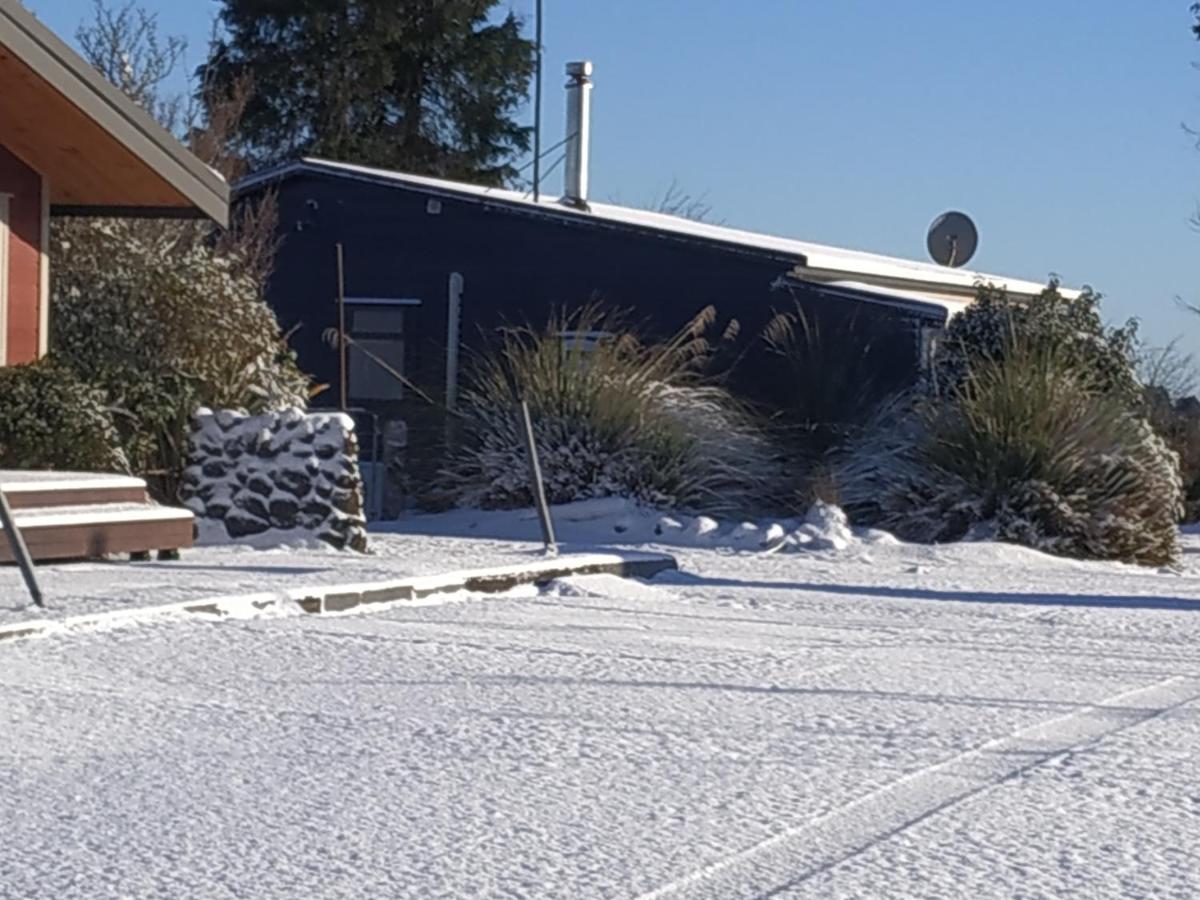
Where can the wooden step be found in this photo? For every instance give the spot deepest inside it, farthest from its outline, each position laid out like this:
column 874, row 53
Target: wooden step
column 88, row 531
column 30, row 490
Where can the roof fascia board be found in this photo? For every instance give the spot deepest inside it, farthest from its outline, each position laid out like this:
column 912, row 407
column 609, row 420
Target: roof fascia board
column 565, row 214
column 930, row 310
column 950, row 285
column 255, row 180
column 65, row 71
column 570, row 216
column 959, row 288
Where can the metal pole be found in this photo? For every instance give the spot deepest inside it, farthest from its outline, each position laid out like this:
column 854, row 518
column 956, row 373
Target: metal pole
column 539, row 488
column 19, row 551
column 341, row 288
column 537, row 108
column 453, row 338
column 453, row 347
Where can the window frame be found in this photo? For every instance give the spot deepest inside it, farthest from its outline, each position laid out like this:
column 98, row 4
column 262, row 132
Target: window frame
column 366, row 341
column 584, row 341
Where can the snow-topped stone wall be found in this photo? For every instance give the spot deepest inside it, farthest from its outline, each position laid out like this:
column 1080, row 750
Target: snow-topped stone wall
column 285, row 471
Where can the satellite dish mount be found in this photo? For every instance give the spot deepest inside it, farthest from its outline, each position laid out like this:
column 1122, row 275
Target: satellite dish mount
column 952, row 239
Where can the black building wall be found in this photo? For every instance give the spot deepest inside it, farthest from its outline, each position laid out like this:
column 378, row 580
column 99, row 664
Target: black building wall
column 517, row 264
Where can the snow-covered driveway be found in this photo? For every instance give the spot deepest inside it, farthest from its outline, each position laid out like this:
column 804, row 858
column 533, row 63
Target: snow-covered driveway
column 894, row 721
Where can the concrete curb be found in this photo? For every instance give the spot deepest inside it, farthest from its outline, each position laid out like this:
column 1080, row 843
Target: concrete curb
column 345, row 597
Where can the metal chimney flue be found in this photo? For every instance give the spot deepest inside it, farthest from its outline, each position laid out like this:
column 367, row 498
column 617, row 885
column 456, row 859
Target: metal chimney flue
column 579, row 133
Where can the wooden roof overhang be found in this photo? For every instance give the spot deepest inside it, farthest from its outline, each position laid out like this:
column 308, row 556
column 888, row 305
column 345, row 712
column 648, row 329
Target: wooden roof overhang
column 100, row 152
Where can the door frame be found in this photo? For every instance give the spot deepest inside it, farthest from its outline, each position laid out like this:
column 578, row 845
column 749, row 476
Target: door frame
column 5, row 241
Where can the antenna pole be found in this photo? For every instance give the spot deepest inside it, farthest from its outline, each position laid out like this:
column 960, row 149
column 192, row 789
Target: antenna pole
column 537, row 106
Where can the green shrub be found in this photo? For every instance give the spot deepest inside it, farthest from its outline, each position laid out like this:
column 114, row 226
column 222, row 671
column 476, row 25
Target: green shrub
column 1030, row 447
column 1071, row 326
column 163, row 323
column 612, row 417
column 49, row 419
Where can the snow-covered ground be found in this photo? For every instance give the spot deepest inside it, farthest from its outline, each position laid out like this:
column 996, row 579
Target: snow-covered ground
column 421, row 545
column 867, row 719
column 232, row 569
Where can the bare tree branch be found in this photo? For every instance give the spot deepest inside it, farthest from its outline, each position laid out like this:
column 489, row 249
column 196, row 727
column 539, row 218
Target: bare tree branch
column 1169, row 369
column 125, row 45
column 675, row 201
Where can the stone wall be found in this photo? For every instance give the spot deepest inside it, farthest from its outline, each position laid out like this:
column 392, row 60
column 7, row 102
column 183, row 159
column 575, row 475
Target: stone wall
column 287, row 470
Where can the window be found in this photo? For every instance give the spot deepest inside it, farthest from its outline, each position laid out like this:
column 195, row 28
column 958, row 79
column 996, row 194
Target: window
column 377, row 332
column 583, row 341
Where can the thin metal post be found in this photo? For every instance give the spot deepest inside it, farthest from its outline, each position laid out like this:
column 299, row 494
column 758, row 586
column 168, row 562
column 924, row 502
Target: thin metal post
column 537, row 109
column 19, row 551
column 454, row 301
column 453, row 347
column 341, row 289
column 539, row 488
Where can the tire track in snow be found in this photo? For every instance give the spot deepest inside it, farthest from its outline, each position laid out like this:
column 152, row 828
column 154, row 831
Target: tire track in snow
column 786, row 860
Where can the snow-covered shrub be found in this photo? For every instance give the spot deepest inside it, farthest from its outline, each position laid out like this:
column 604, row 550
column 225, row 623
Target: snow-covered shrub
column 1029, row 448
column 49, row 419
column 163, row 324
column 1177, row 422
column 1169, row 380
column 612, row 417
column 1072, row 327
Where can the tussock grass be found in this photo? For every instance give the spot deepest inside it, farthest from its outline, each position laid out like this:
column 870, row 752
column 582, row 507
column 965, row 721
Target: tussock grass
column 613, row 416
column 1028, row 448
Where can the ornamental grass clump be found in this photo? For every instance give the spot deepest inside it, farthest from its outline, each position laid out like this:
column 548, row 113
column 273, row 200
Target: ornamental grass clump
column 613, row 416
column 823, row 373
column 1026, row 445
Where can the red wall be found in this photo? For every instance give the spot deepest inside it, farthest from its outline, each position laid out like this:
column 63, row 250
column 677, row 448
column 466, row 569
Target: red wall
column 24, row 256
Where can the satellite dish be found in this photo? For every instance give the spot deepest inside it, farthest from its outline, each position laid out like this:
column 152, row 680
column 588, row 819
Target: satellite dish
column 952, row 239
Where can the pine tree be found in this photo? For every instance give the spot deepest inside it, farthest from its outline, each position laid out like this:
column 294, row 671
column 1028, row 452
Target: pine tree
column 425, row 86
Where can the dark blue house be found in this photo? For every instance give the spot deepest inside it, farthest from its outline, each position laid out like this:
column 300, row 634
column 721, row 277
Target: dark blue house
column 432, row 268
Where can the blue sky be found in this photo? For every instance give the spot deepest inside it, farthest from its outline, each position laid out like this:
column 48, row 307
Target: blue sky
column 1057, row 126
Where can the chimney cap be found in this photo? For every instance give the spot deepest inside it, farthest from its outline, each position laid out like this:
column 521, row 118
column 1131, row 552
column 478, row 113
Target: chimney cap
column 581, row 68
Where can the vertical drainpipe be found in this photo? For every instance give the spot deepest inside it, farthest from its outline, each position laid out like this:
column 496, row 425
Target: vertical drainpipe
column 453, row 338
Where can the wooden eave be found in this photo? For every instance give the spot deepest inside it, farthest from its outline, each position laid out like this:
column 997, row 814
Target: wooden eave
column 100, row 152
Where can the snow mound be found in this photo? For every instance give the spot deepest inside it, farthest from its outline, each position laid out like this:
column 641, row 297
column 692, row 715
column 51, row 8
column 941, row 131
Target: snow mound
column 825, row 528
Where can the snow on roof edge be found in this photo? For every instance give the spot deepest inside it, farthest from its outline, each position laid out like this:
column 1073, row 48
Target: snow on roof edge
column 806, row 255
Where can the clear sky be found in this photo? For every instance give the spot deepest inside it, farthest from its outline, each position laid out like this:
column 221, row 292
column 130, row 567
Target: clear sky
column 1057, row 125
